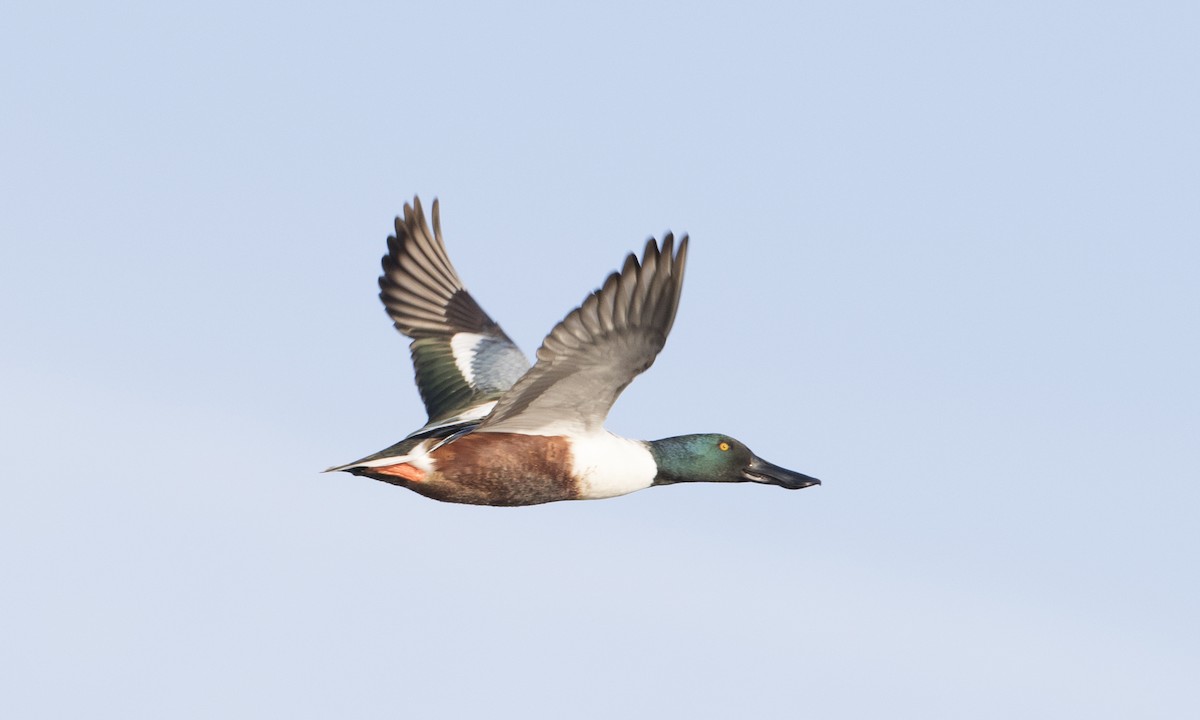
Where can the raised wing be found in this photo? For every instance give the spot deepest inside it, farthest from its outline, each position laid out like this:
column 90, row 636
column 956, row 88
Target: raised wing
column 463, row 360
column 598, row 349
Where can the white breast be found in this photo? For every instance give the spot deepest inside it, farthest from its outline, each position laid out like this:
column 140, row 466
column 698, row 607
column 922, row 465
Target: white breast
column 607, row 465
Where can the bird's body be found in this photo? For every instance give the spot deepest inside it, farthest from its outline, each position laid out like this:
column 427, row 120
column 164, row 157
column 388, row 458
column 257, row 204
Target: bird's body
column 503, row 433
column 519, row 469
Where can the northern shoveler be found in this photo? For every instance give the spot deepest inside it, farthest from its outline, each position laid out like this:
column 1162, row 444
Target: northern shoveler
column 503, row 433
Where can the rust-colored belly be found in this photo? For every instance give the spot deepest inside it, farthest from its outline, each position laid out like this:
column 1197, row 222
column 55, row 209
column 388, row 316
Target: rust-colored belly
column 493, row 469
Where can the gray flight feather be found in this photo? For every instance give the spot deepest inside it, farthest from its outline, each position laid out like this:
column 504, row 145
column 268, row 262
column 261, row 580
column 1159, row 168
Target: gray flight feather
column 598, row 349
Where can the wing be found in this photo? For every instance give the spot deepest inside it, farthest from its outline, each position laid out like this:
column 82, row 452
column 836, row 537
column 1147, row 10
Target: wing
column 598, row 349
column 464, row 361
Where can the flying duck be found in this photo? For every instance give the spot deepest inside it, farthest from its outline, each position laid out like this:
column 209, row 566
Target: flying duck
column 503, row 433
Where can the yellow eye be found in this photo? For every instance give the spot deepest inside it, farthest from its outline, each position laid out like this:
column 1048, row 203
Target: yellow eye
column 723, row 445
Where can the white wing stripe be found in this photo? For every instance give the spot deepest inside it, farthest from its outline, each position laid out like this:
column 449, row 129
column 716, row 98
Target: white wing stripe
column 463, row 345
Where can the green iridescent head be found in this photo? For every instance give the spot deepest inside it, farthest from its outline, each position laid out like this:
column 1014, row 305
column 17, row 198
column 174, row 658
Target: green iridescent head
column 713, row 457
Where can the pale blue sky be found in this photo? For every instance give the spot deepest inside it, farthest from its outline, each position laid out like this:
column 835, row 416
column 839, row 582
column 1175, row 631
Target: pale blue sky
column 944, row 257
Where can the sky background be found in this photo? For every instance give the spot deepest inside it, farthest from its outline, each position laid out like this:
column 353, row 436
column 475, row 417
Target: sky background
column 944, row 258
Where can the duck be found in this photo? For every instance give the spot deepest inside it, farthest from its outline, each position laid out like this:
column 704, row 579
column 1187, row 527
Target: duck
column 502, row 432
